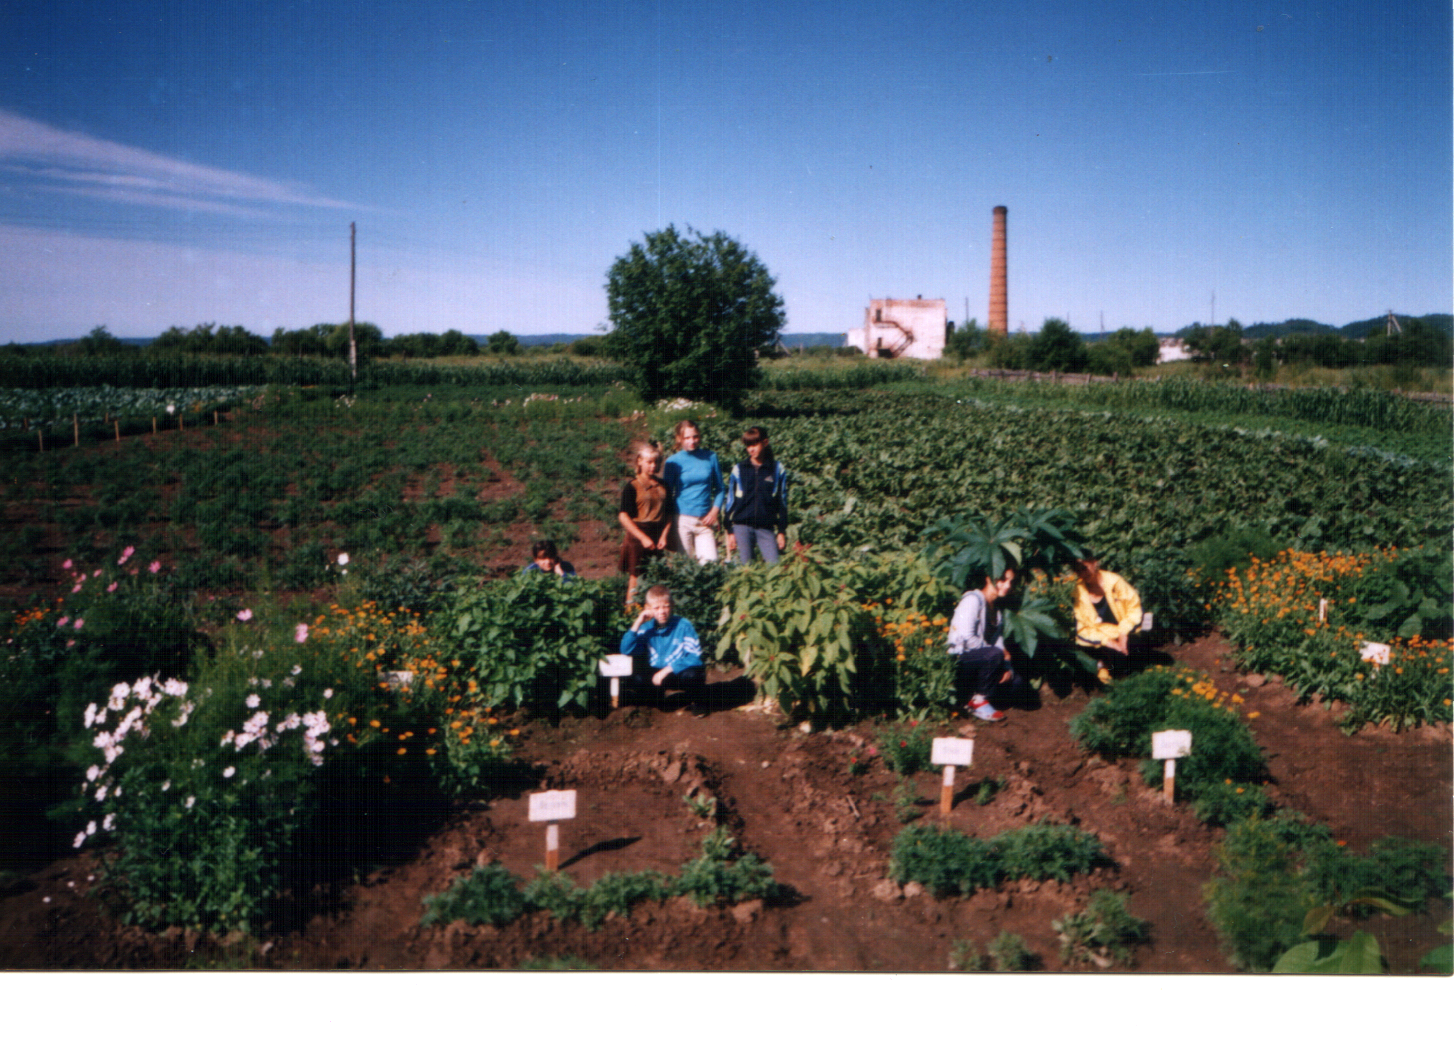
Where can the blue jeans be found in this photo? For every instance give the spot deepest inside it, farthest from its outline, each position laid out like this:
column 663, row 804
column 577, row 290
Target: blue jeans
column 748, row 537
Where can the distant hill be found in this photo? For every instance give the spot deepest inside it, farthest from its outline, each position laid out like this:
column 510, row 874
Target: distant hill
column 1439, row 321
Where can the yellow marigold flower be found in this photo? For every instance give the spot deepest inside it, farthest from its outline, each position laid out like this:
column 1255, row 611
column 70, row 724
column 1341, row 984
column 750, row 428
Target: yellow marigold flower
column 1255, row 713
column 429, row 753
column 373, row 724
column 400, row 752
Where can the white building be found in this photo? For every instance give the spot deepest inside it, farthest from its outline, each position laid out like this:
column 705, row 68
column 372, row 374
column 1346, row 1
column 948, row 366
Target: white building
column 902, row 327
column 1169, row 349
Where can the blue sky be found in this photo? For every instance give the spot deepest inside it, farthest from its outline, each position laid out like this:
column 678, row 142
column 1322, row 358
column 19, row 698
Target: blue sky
column 1163, row 162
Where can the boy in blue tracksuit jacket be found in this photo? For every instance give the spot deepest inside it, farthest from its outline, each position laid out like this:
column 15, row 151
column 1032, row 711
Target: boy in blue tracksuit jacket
column 757, row 501
column 664, row 647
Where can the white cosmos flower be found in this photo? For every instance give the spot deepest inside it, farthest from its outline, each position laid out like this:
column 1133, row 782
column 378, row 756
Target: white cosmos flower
column 189, row 801
column 254, row 702
column 229, row 772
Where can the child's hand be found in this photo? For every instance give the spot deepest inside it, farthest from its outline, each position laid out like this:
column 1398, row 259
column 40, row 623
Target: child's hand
column 660, row 676
column 646, row 542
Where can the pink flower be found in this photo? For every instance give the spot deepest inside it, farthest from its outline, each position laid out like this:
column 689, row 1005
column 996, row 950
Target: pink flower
column 76, row 588
column 245, row 615
column 112, row 588
column 154, row 567
column 66, row 566
column 126, row 555
column 300, row 632
column 63, row 620
column 80, row 623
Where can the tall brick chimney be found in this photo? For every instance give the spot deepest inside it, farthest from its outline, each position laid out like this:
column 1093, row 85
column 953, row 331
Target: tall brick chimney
column 999, row 319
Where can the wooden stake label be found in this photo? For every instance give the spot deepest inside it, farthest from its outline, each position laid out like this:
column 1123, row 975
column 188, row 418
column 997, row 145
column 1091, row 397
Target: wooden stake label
column 551, row 807
column 950, row 752
column 615, row 667
column 1167, row 747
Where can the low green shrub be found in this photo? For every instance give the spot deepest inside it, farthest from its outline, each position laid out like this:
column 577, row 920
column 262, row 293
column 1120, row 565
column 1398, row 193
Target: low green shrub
column 532, row 640
column 946, row 861
column 1009, row 953
column 1176, row 595
column 1102, row 933
column 492, row 895
column 1280, row 879
column 1257, row 900
column 904, row 746
column 1121, row 722
column 486, row 895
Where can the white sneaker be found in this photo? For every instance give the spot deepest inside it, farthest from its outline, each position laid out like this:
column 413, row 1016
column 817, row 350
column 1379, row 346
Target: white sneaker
column 981, row 707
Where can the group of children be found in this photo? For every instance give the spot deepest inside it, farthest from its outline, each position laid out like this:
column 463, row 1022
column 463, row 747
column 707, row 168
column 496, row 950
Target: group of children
column 679, row 504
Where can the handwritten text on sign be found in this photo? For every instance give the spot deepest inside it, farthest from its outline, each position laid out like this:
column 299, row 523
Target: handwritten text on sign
column 553, row 806
column 952, row 751
column 1171, row 745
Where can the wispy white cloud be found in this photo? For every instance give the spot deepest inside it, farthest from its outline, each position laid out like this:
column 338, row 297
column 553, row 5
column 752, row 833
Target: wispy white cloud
column 49, row 158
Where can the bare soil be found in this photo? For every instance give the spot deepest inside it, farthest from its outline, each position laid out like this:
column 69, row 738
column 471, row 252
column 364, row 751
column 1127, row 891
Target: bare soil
column 790, row 797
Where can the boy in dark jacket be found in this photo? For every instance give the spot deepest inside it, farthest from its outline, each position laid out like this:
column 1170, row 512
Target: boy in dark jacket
column 757, row 501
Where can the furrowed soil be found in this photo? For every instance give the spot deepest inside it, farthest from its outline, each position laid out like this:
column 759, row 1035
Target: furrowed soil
column 790, row 797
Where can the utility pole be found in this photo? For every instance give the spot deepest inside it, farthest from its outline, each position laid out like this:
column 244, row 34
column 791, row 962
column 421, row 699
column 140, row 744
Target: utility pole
column 353, row 344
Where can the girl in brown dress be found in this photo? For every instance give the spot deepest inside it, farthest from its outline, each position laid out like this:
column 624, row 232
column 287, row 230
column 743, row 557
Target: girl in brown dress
column 646, row 515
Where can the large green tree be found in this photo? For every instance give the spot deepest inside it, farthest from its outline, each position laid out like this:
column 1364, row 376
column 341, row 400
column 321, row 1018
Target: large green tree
column 689, row 313
column 1057, row 347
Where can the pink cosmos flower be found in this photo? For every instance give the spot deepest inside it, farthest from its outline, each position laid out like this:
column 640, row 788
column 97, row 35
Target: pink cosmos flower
column 63, row 620
column 80, row 623
column 245, row 615
column 112, row 588
column 154, row 567
column 66, row 566
column 126, row 555
column 300, row 632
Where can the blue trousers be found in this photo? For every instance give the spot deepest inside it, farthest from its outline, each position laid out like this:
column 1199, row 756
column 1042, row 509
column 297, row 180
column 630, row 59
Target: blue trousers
column 747, row 537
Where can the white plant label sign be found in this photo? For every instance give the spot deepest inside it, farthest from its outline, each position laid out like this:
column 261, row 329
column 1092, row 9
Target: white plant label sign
column 615, row 666
column 1375, row 653
column 952, row 751
column 1171, row 745
column 553, row 806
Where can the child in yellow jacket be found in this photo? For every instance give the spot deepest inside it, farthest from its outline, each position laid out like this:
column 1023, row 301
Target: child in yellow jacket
column 1108, row 611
